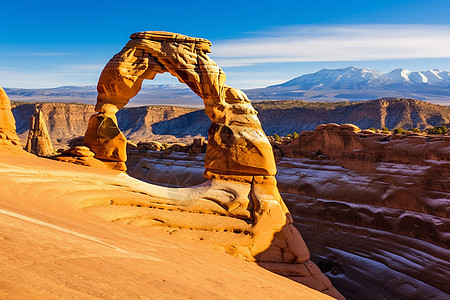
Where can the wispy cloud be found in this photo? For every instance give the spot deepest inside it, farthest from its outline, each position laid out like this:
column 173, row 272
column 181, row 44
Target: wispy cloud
column 335, row 43
column 50, row 54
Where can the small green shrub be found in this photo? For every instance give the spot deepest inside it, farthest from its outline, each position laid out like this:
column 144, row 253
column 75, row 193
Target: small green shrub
column 276, row 137
column 416, row 130
column 373, row 129
column 289, row 136
column 438, row 130
column 399, row 130
column 295, row 135
column 384, row 129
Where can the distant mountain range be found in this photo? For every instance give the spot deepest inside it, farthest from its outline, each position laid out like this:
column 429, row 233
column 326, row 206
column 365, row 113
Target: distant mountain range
column 352, row 78
column 347, row 84
column 355, row 84
column 166, row 94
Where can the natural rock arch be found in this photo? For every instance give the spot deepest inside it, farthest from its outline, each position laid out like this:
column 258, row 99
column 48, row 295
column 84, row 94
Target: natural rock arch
column 237, row 143
column 239, row 160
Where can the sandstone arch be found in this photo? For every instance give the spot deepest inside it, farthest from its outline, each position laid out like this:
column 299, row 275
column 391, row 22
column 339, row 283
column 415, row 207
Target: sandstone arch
column 237, row 143
column 239, row 160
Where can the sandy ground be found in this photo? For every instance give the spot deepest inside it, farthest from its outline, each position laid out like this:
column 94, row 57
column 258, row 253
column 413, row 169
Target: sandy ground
column 51, row 249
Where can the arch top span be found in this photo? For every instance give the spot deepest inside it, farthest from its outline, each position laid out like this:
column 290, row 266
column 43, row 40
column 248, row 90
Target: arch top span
column 236, row 143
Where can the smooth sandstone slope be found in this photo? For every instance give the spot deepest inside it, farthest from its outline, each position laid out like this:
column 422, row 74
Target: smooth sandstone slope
column 53, row 248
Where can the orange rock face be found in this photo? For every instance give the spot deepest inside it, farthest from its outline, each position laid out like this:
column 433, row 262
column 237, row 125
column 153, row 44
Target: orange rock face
column 8, row 134
column 104, row 138
column 239, row 161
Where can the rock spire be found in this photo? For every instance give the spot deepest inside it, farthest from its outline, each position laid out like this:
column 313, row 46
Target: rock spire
column 38, row 142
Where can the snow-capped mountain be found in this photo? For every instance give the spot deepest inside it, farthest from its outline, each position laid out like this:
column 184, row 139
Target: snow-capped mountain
column 358, row 78
column 354, row 84
column 432, row 77
column 334, row 78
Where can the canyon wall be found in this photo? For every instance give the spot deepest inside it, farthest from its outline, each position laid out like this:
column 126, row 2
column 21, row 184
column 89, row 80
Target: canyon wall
column 284, row 117
column 68, row 121
column 374, row 210
column 169, row 123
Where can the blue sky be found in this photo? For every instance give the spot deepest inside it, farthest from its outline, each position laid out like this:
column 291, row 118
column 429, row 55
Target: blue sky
column 257, row 43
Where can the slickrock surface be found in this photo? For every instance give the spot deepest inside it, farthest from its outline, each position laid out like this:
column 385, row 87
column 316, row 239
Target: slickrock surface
column 38, row 142
column 53, row 245
column 8, row 134
column 372, row 208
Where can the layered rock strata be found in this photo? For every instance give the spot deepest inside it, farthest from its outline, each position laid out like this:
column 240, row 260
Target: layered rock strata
column 8, row 134
column 38, row 142
column 347, row 143
column 374, row 209
column 239, row 162
column 165, row 124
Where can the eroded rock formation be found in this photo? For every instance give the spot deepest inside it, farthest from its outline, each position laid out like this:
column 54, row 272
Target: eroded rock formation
column 372, row 208
column 8, row 134
column 38, row 142
column 347, row 143
column 236, row 133
column 240, row 206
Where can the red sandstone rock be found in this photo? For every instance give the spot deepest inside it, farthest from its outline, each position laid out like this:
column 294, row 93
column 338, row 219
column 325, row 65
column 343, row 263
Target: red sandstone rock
column 8, row 134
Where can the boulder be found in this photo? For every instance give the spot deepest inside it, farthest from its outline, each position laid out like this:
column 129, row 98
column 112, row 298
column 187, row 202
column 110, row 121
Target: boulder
column 349, row 127
column 320, row 127
column 155, row 146
column 198, row 146
column 367, row 131
column 331, row 126
column 179, row 147
column 306, row 133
